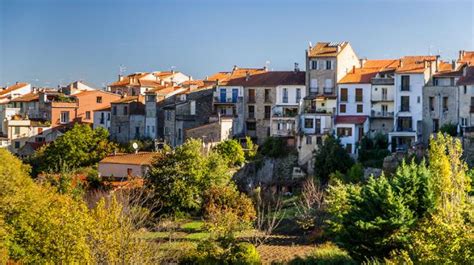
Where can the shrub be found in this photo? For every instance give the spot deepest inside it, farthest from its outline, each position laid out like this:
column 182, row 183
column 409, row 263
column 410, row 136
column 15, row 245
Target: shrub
column 274, row 147
column 331, row 157
column 326, row 254
column 449, row 129
column 372, row 151
column 232, row 151
column 210, row 253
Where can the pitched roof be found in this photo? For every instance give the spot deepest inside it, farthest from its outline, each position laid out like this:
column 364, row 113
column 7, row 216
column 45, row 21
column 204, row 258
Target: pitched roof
column 327, row 49
column 350, row 119
column 445, row 69
column 270, row 79
column 26, row 98
column 127, row 99
column 468, row 78
column 414, row 64
column 12, row 88
column 108, row 108
column 467, row 57
column 369, row 70
column 142, row 158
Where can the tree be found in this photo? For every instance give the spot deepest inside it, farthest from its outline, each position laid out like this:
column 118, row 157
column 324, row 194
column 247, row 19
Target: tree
column 274, row 147
column 331, row 157
column 179, row 177
column 250, row 149
column 449, row 129
column 81, row 146
column 372, row 151
column 232, row 151
column 227, row 211
column 375, row 219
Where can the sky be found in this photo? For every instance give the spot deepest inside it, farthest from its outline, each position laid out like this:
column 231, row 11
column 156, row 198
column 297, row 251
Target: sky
column 52, row 42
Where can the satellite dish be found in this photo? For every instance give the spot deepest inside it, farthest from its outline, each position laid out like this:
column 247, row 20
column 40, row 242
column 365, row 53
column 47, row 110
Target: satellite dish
column 135, row 146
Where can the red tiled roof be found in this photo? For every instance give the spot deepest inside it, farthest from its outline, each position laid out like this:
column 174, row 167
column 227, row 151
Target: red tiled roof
column 127, row 99
column 327, row 49
column 26, row 98
column 414, row 64
column 350, row 119
column 12, row 88
column 368, row 71
column 468, row 57
column 143, row 158
column 269, row 79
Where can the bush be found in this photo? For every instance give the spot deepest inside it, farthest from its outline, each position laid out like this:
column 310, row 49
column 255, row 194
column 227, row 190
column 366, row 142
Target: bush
column 274, row 147
column 331, row 157
column 210, row 253
column 372, row 151
column 232, row 151
column 450, row 129
column 326, row 254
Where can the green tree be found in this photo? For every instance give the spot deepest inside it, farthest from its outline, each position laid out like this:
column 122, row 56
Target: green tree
column 274, row 147
column 232, row 151
column 375, row 219
column 449, row 129
column 81, row 146
column 372, row 151
column 331, row 157
column 179, row 177
column 250, row 149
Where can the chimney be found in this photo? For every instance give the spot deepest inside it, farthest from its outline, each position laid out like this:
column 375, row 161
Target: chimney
column 353, row 69
column 265, row 68
column 206, row 78
column 362, row 62
column 437, row 63
column 235, row 68
column 400, row 63
column 297, row 68
column 453, row 65
column 247, row 76
column 16, row 83
column 338, row 48
column 425, row 63
column 120, row 77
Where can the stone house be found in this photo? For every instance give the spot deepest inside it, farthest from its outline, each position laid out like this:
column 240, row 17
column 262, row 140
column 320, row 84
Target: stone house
column 127, row 119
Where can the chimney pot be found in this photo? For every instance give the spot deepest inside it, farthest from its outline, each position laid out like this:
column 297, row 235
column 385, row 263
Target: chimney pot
column 353, row 69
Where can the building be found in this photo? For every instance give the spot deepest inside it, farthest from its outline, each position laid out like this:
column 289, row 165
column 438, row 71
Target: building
column 326, row 64
column 141, row 82
column 466, row 86
column 6, row 95
column 22, row 131
column 124, row 166
column 228, row 100
column 75, row 87
column 355, row 101
column 211, row 133
column 189, row 110
column 441, row 99
column 127, row 119
column 382, row 100
column 102, row 117
column 412, row 74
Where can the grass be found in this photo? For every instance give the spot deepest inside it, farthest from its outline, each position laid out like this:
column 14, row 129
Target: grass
column 192, row 227
column 198, row 236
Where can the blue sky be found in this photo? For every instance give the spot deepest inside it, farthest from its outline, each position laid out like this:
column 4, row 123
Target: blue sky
column 51, row 42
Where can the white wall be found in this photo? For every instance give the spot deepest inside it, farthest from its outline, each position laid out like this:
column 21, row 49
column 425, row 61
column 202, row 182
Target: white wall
column 120, row 170
column 326, row 122
column 97, row 117
column 417, row 81
column 291, row 94
column 351, row 104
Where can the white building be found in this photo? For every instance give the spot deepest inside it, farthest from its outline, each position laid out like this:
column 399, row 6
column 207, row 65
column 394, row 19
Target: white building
column 411, row 76
column 102, row 118
column 123, row 166
column 6, row 95
column 285, row 111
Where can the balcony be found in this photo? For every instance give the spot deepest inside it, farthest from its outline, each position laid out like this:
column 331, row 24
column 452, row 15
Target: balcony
column 405, row 129
column 382, row 114
column 381, row 98
column 319, row 110
column 219, row 100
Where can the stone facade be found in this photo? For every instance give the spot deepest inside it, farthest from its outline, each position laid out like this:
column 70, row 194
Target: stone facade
column 258, row 103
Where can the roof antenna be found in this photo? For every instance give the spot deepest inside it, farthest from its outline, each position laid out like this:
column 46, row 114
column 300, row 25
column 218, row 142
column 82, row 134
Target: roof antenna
column 122, row 69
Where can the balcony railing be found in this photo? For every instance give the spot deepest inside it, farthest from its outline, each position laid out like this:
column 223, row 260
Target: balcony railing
column 319, row 110
column 226, row 100
column 382, row 114
column 405, row 129
column 382, row 98
column 382, row 81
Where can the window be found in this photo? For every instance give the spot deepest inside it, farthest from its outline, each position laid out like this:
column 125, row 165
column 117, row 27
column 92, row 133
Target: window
column 129, row 172
column 465, row 89
column 223, row 95
column 235, row 94
column 167, row 131
column 314, row 65
column 343, row 132
column 384, row 109
column 313, row 86
column 168, row 115
column 251, row 112
column 319, row 140
column 268, row 110
column 125, row 110
column 360, row 108
column 251, row 96
column 151, row 98
column 404, row 124
column 359, row 94
column 179, row 134
column 267, row 95
column 308, row 123
column 98, row 99
column 318, row 126
column 344, row 94
column 342, row 108
column 463, row 121
column 309, row 139
column 251, row 126
column 328, row 65
column 285, row 95
column 137, row 131
column 102, row 115
column 17, row 130
column 64, row 117
column 384, row 93
column 298, row 95
column 108, row 116
column 119, row 129
column 435, row 125
column 40, row 131
column 39, row 139
column 431, row 103
column 17, row 144
column 405, row 106
column 328, row 84
column 192, row 111
column 114, row 110
column 88, row 115
column 405, row 83
column 445, row 103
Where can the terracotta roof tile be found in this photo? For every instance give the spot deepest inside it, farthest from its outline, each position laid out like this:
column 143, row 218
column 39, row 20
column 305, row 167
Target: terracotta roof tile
column 143, row 158
column 369, row 70
column 12, row 88
column 269, row 79
column 327, row 49
column 27, row 98
column 414, row 64
column 468, row 57
column 127, row 99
